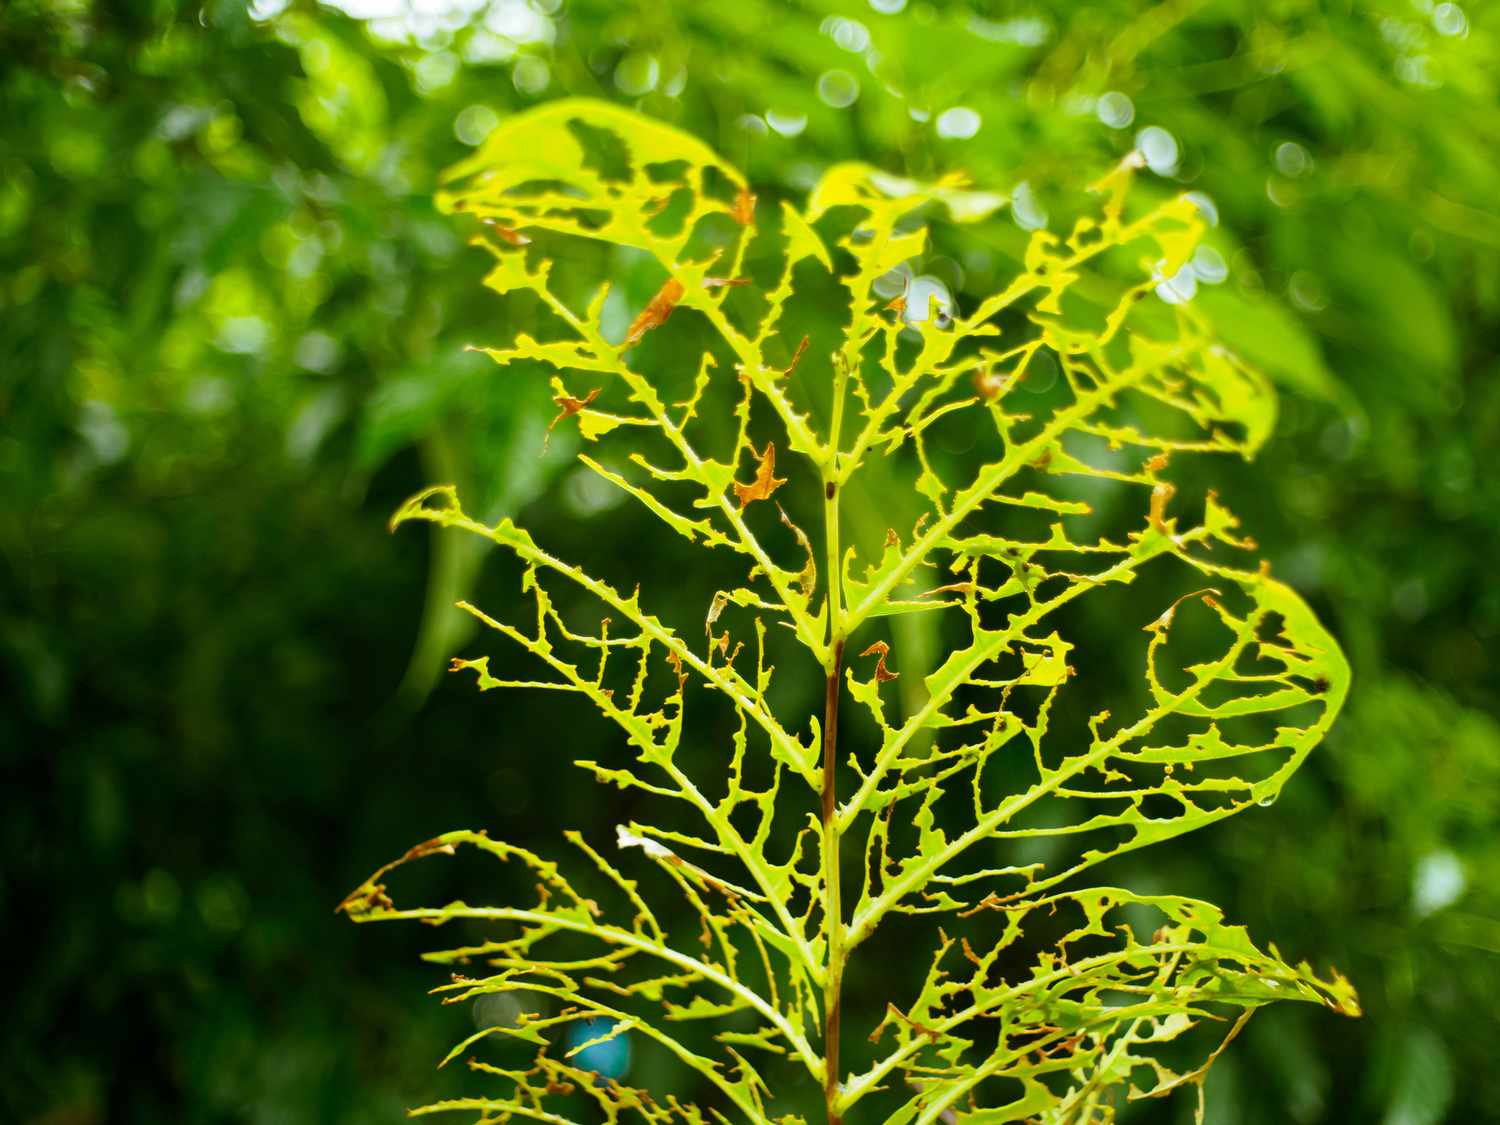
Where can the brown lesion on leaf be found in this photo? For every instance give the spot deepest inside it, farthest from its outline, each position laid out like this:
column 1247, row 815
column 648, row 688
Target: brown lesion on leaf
column 881, row 650
column 655, row 314
column 719, row 643
column 796, row 358
column 676, row 662
column 969, row 954
column 370, row 896
column 367, row 899
column 726, row 654
column 895, row 1016
column 568, row 406
column 1061, row 1048
column 807, row 578
column 744, row 207
column 436, row 846
column 765, row 482
column 991, row 901
column 989, row 384
column 507, row 234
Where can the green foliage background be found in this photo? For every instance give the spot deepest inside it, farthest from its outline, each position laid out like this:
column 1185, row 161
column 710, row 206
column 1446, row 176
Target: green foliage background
column 232, row 343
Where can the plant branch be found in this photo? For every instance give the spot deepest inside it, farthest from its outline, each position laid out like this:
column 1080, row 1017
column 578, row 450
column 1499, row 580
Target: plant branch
column 833, row 912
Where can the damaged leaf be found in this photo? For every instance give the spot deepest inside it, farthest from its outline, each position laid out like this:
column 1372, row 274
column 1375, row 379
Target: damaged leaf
column 992, row 781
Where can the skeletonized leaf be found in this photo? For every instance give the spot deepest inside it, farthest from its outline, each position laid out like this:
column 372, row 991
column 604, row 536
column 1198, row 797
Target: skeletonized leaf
column 1081, row 394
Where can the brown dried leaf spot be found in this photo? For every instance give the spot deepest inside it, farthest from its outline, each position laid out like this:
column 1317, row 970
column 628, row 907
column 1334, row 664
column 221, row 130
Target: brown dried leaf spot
column 880, row 649
column 655, row 313
column 796, row 358
column 569, row 406
column 676, row 662
column 506, row 234
column 765, row 481
column 744, row 207
column 988, row 383
column 807, row 579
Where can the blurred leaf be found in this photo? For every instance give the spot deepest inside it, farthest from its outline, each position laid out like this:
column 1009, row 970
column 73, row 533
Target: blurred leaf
column 1271, row 337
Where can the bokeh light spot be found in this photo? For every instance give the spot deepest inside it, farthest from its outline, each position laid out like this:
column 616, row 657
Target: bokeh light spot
column 958, row 123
